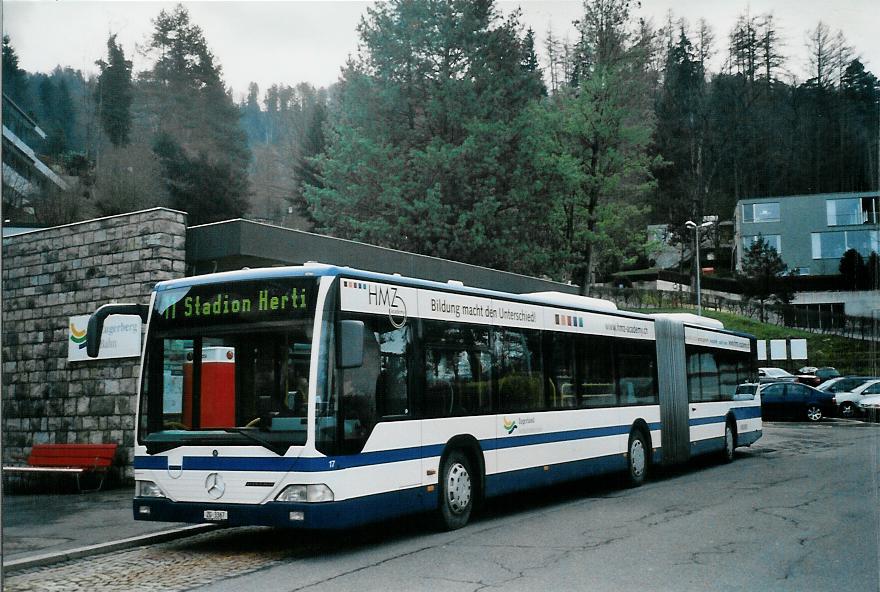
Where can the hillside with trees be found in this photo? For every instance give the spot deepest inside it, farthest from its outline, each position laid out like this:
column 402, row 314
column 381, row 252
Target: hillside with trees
column 451, row 133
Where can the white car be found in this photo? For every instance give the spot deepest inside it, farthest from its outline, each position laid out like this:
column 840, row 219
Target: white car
column 842, row 384
column 865, row 397
column 775, row 375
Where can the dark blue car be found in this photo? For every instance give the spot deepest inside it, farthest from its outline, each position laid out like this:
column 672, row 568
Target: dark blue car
column 792, row 400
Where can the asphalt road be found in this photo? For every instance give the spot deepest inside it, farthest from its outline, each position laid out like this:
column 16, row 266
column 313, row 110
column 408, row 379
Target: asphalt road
column 798, row 511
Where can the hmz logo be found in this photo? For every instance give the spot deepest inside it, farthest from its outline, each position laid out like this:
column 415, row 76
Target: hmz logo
column 383, row 296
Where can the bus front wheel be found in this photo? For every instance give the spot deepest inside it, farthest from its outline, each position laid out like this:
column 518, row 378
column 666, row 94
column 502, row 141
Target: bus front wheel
column 456, row 490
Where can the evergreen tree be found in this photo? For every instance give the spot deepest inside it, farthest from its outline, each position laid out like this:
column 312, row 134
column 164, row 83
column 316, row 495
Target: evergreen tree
column 208, row 190
column 854, row 271
column 859, row 97
column 114, row 94
column 682, row 137
column 15, row 84
column 601, row 132
column 762, row 271
column 872, row 269
column 56, row 141
column 424, row 146
column 308, row 120
column 253, row 118
column 197, row 120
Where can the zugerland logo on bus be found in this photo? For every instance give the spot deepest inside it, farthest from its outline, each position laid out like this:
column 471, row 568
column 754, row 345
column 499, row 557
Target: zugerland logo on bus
column 509, row 425
column 382, row 296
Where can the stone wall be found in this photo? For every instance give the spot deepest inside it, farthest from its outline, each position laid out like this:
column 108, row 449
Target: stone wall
column 52, row 274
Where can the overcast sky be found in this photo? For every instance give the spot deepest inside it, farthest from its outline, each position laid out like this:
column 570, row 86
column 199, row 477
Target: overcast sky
column 293, row 41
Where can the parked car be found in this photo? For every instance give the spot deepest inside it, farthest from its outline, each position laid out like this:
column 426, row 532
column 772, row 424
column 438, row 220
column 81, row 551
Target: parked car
column 746, row 391
column 815, row 376
column 869, row 402
column 827, row 372
column 794, row 400
column 843, row 384
column 774, row 375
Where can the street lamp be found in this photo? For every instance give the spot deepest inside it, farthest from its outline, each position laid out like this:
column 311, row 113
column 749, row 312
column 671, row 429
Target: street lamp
column 696, row 227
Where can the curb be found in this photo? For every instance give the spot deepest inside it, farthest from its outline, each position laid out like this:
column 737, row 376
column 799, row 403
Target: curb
column 129, row 543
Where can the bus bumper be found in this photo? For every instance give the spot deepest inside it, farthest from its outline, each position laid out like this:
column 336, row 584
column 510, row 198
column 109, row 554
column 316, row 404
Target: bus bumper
column 324, row 515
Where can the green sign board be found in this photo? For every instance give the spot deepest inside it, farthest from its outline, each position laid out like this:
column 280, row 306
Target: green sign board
column 236, row 302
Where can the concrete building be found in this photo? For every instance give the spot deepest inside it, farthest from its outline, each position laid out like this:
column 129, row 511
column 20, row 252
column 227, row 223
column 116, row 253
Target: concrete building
column 24, row 174
column 811, row 232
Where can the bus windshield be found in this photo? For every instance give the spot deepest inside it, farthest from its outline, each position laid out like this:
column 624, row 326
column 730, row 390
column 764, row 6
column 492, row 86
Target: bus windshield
column 229, row 364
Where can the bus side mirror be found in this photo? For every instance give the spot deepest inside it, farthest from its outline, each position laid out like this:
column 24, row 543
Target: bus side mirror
column 96, row 323
column 350, row 344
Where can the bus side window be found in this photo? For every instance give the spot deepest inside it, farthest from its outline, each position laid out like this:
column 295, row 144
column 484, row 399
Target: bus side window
column 595, row 368
column 359, row 397
column 561, row 393
column 380, row 386
column 458, row 370
column 392, row 388
column 520, row 377
column 636, row 365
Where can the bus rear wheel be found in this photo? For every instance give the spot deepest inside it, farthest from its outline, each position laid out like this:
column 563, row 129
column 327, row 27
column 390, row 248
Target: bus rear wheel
column 637, row 458
column 456, row 491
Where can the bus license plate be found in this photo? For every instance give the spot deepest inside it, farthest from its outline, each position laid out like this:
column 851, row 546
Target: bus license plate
column 216, row 515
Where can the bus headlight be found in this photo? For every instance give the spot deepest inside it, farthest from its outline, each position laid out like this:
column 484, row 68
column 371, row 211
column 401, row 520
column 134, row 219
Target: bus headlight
column 147, row 489
column 305, row 493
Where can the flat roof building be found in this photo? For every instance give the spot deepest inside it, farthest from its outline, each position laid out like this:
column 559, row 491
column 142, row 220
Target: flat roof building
column 810, row 232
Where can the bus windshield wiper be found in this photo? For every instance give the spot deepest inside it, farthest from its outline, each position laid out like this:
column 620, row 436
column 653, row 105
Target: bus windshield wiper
column 278, row 448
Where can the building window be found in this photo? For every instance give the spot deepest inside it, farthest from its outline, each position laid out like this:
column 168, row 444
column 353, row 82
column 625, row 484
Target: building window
column 832, row 245
column 852, row 211
column 761, row 212
column 772, row 240
column 863, row 241
column 840, row 212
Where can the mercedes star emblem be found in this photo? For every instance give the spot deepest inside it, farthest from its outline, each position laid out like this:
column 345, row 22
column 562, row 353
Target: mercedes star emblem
column 215, row 485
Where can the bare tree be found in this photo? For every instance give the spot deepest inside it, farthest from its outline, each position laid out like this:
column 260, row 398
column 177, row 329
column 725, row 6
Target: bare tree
column 822, row 50
column 128, row 179
column 768, row 50
column 705, row 45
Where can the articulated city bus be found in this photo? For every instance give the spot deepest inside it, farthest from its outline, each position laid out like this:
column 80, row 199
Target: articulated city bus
column 327, row 397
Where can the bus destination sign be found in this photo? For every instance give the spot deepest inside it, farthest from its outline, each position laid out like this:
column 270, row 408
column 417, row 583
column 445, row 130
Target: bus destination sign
column 268, row 300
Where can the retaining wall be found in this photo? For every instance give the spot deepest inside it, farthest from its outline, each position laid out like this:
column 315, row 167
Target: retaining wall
column 51, row 275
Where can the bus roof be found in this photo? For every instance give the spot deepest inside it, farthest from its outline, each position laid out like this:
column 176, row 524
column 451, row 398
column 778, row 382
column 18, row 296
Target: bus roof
column 320, row 270
column 540, row 298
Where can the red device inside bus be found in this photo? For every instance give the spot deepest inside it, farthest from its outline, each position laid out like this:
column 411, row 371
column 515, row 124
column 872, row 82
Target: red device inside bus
column 218, row 389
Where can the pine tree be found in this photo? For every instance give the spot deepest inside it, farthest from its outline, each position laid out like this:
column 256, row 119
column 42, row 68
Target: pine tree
column 682, row 137
column 15, row 84
column 253, row 118
column 602, row 130
column 425, row 143
column 114, row 94
column 762, row 271
column 208, row 190
column 854, row 271
column 198, row 122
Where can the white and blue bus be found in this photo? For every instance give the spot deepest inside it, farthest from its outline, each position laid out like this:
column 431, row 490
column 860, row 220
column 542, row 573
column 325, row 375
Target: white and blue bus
column 327, row 397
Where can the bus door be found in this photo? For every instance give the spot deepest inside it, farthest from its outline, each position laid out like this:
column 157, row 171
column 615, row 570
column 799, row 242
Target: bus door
column 674, row 406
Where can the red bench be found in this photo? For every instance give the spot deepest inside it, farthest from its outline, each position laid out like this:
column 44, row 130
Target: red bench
column 74, row 459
